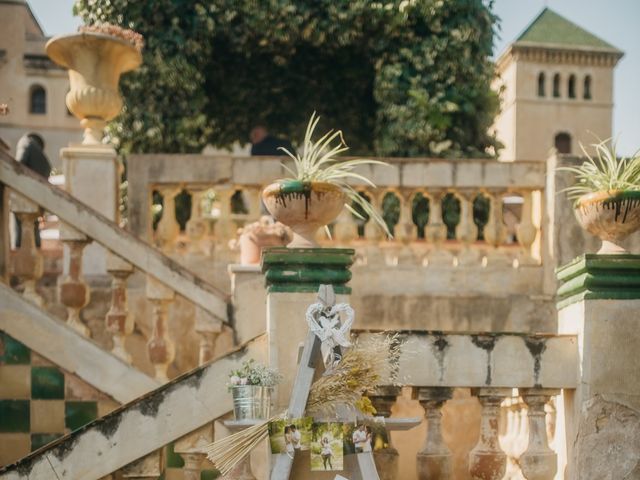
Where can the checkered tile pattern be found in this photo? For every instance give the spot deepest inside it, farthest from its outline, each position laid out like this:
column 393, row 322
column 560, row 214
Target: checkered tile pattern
column 39, row 401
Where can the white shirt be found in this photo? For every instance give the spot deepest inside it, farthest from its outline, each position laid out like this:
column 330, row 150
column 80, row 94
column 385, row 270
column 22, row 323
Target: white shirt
column 296, row 437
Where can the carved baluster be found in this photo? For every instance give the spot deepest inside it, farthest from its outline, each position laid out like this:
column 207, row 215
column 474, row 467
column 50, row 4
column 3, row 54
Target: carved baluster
column 254, row 203
column 242, row 471
column 386, row 459
column 144, row 468
column 467, row 231
column 538, row 462
column 119, row 321
column 405, row 230
column 74, row 292
column 434, row 459
column 208, row 328
column 190, row 448
column 487, row 461
column 27, row 262
column 161, row 348
column 168, row 228
column 436, row 233
column 225, row 226
column 495, row 231
column 526, row 230
column 196, row 227
column 345, row 229
column 372, row 233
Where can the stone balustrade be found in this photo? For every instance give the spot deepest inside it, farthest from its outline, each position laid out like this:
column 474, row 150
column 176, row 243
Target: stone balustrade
column 80, row 225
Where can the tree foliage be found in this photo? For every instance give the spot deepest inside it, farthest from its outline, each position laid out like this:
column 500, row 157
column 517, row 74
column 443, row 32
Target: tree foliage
column 403, row 78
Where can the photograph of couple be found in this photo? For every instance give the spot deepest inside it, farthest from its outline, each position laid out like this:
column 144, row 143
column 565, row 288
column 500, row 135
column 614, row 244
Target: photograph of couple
column 359, row 438
column 287, row 436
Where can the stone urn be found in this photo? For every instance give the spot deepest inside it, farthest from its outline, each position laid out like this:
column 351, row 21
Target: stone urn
column 611, row 216
column 304, row 207
column 252, row 238
column 95, row 62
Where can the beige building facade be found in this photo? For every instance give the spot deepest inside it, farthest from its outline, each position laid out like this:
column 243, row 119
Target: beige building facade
column 556, row 88
column 32, row 86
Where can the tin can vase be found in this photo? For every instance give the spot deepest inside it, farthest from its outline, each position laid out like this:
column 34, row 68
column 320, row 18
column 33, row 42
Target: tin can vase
column 251, row 402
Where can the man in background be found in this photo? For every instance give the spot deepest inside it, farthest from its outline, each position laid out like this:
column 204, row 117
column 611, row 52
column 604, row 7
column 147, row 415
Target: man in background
column 30, row 153
column 264, row 144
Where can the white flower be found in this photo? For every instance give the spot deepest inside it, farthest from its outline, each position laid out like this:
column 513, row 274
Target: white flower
column 234, row 380
column 244, row 381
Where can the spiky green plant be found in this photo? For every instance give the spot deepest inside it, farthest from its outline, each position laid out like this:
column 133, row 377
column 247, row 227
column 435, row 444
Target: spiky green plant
column 604, row 172
column 318, row 162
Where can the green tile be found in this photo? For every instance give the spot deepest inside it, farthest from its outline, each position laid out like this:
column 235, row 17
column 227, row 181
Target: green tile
column 13, row 352
column 209, row 474
column 174, row 460
column 77, row 414
column 40, row 439
column 14, row 416
column 47, row 383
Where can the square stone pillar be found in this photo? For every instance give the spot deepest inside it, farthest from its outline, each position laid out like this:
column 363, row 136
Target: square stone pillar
column 293, row 276
column 599, row 301
column 249, row 298
column 92, row 175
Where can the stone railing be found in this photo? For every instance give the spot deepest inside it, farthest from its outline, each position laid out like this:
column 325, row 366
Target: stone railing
column 477, row 223
column 25, row 193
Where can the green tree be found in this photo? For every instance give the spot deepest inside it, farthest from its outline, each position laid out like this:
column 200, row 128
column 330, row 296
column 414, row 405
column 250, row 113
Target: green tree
column 404, row 78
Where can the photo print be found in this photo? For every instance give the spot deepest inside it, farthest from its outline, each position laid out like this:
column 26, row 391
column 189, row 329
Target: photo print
column 327, row 452
column 364, row 437
column 290, row 435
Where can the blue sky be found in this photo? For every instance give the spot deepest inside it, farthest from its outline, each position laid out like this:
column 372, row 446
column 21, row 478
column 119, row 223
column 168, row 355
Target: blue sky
column 615, row 21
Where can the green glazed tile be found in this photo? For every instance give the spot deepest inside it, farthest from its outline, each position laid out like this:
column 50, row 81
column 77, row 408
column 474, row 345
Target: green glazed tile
column 77, row 414
column 15, row 416
column 173, row 459
column 40, row 439
column 209, row 474
column 47, row 383
column 14, row 352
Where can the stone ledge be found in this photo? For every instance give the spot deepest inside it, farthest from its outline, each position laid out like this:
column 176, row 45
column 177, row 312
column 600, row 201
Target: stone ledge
column 599, row 277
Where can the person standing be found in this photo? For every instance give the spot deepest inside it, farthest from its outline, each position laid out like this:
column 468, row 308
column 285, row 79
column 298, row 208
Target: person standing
column 265, row 144
column 326, row 453
column 359, row 438
column 30, row 153
column 296, row 436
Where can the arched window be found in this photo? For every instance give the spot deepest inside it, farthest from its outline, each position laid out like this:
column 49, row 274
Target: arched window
column 541, row 82
column 571, row 86
column 37, row 100
column 587, row 87
column 563, row 142
column 556, row 85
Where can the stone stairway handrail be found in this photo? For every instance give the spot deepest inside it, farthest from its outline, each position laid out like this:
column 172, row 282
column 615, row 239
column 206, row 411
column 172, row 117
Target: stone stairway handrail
column 64, row 346
column 107, row 233
column 141, row 426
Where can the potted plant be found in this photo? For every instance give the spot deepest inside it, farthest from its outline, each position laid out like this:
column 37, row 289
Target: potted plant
column 96, row 56
column 251, row 386
column 607, row 195
column 317, row 190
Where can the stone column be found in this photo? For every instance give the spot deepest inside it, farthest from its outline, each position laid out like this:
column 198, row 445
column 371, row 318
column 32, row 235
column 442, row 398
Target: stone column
column 386, row 459
column 190, row 448
column 433, row 461
column 495, row 231
column 196, row 227
column 599, row 301
column 160, row 346
column 92, row 175
column 148, row 467
column 538, row 462
column 527, row 231
column 27, row 263
column 119, row 321
column 487, row 461
column 168, row 228
column 436, row 233
column 467, row 231
column 208, row 329
column 74, row 292
column 293, row 276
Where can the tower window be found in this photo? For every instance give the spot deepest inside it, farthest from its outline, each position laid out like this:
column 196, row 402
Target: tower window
column 556, row 85
column 541, row 82
column 37, row 100
column 571, row 86
column 587, row 87
column 563, row 142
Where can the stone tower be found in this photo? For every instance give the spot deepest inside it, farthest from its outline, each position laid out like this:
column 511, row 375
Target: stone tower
column 556, row 84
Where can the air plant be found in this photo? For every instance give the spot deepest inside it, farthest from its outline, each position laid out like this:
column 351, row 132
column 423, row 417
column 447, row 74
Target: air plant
column 318, row 162
column 604, row 172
